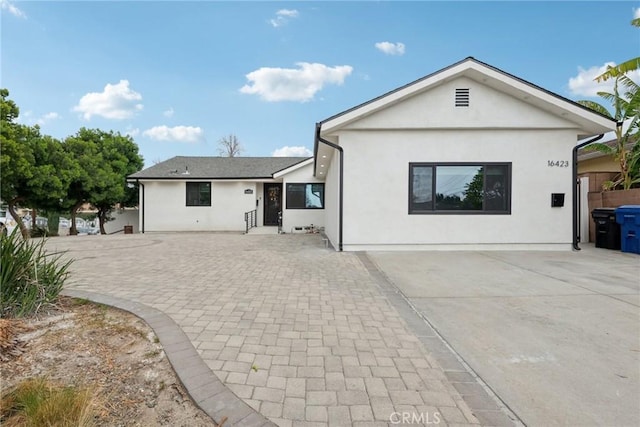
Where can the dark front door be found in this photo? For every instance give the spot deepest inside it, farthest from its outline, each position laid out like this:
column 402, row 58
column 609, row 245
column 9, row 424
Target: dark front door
column 272, row 203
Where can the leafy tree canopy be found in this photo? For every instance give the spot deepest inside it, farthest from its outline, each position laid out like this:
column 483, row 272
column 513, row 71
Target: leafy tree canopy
column 105, row 160
column 33, row 167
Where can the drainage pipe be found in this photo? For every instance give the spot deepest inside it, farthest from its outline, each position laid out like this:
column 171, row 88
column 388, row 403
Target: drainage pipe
column 141, row 187
column 576, row 240
column 319, row 139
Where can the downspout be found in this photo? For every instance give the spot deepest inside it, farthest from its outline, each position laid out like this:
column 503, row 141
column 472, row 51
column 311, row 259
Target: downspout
column 575, row 188
column 340, row 189
column 141, row 185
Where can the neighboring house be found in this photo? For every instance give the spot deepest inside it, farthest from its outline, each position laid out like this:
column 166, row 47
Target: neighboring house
column 469, row 157
column 215, row 193
column 598, row 166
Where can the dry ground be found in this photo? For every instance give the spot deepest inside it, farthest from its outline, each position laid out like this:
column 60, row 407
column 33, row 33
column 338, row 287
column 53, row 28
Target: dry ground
column 88, row 345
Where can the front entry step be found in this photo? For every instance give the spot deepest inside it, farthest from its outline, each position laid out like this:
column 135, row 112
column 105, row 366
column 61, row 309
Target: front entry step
column 264, row 230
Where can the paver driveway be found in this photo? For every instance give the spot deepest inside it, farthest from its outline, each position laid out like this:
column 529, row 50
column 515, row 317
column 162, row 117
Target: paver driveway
column 301, row 333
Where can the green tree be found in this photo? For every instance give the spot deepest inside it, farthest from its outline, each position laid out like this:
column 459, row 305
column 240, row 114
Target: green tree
column 34, row 169
column 121, row 159
column 88, row 176
column 104, row 161
column 474, row 192
column 626, row 114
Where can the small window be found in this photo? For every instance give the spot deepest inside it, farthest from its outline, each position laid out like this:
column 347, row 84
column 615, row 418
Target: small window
column 198, row 194
column 462, row 97
column 460, row 188
column 305, row 196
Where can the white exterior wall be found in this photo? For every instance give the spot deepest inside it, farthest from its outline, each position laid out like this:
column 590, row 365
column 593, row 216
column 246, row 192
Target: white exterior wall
column 435, row 109
column 428, row 128
column 165, row 207
column 332, row 200
column 260, row 204
column 128, row 216
column 376, row 198
column 301, row 217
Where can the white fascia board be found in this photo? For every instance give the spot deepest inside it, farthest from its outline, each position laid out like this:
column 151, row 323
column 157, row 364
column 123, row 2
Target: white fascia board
column 293, row 168
column 147, row 180
column 570, row 108
column 472, row 68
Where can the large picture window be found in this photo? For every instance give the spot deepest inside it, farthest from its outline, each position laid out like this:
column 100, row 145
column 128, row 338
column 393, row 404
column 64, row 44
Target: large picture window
column 198, row 194
column 483, row 188
column 305, row 196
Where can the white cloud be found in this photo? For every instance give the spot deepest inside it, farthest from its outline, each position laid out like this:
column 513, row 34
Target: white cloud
column 27, row 117
column 636, row 13
column 584, row 83
column 283, row 16
column 12, row 9
column 292, row 152
column 132, row 132
column 288, row 84
column 47, row 118
column 168, row 113
column 175, row 134
column 391, row 48
column 116, row 101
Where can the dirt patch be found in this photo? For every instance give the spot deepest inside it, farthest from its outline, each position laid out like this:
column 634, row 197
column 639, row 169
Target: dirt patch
column 118, row 355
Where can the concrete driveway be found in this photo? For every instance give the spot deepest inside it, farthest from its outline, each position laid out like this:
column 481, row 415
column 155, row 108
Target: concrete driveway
column 556, row 335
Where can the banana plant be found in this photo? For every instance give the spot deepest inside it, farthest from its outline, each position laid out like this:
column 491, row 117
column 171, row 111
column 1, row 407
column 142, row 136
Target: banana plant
column 626, row 107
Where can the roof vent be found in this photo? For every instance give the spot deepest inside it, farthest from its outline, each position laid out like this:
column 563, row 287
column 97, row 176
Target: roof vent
column 462, row 97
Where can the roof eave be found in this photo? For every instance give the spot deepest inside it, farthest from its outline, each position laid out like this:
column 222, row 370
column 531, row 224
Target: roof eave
column 294, row 167
column 597, row 123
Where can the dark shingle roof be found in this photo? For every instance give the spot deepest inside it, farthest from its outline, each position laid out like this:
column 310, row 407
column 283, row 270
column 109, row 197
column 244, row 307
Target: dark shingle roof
column 217, row 167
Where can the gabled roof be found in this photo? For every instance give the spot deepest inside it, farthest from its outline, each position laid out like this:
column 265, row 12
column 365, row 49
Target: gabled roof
column 295, row 167
column 589, row 121
column 218, row 168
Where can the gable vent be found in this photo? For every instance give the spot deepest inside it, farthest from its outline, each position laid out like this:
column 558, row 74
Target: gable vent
column 462, row 97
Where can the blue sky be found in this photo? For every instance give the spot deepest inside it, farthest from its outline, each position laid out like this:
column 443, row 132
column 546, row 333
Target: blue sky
column 179, row 76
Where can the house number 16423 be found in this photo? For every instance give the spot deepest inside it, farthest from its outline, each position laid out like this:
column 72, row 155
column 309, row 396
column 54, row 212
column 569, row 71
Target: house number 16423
column 558, row 163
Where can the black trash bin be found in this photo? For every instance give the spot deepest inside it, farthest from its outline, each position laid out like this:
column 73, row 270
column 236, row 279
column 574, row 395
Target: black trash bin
column 607, row 229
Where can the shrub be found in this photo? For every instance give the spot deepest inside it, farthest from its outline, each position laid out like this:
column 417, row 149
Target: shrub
column 37, row 402
column 39, row 232
column 29, row 276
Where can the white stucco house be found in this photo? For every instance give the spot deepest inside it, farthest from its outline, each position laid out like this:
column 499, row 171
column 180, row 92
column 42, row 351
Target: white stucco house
column 229, row 194
column 469, row 157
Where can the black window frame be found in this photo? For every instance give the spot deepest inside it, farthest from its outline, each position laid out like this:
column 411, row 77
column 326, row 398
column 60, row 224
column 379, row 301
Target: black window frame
column 434, row 167
column 288, row 199
column 199, row 191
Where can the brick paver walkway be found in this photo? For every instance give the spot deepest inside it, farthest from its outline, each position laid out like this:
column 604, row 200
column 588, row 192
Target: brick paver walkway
column 301, row 333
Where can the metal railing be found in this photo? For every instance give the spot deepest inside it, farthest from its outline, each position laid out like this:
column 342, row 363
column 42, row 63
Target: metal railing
column 250, row 220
